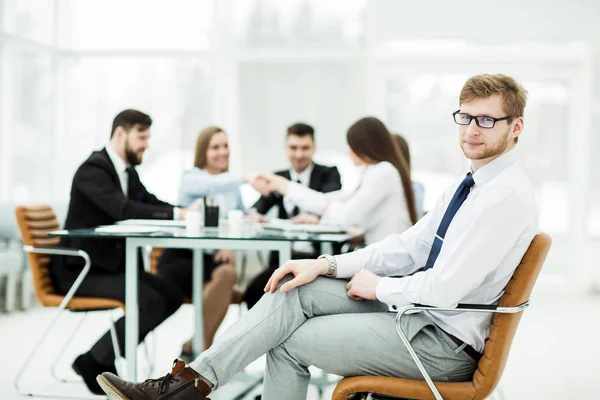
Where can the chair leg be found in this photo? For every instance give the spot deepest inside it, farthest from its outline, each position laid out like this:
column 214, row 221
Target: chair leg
column 34, row 350
column 118, row 353
column 53, row 371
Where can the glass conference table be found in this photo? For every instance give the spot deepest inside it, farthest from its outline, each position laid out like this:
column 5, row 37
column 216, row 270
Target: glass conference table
column 248, row 236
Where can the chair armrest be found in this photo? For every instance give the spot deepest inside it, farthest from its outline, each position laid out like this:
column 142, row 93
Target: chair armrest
column 64, row 251
column 486, row 308
column 489, row 308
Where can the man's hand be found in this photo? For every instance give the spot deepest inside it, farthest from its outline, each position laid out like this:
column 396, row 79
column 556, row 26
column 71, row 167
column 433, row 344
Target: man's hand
column 225, row 257
column 305, row 271
column 363, row 286
column 305, row 219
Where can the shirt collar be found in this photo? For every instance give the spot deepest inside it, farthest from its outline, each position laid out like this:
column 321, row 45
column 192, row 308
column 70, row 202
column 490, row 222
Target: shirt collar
column 304, row 177
column 118, row 162
column 494, row 167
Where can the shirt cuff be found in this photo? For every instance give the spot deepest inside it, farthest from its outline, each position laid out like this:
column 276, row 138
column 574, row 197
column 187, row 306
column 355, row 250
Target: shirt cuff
column 347, row 265
column 307, row 199
column 176, row 212
column 385, row 289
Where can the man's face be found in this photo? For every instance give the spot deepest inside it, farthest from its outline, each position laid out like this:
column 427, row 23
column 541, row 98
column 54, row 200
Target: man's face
column 300, row 150
column 136, row 143
column 481, row 145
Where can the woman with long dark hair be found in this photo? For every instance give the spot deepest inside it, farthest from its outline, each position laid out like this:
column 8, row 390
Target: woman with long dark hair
column 384, row 201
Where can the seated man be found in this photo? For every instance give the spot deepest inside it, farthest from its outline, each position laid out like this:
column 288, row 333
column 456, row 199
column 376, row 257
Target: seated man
column 106, row 188
column 464, row 250
column 300, row 148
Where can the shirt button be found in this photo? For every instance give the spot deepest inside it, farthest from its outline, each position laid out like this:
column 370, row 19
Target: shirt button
column 394, row 307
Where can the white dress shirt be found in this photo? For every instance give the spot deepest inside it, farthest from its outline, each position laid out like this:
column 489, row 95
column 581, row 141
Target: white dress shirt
column 485, row 242
column 378, row 204
column 121, row 168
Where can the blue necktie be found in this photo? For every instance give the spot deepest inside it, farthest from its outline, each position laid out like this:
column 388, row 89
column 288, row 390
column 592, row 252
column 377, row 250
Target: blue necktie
column 459, row 197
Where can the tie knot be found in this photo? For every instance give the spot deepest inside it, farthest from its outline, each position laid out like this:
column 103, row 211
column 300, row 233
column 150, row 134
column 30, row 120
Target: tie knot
column 468, row 181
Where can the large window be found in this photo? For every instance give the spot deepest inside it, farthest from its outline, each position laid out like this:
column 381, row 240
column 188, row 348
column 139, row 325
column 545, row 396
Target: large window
column 175, row 91
column 300, row 24
column 254, row 67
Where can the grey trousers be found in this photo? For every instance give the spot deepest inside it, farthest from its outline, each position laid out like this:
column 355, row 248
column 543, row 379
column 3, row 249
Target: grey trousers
column 317, row 324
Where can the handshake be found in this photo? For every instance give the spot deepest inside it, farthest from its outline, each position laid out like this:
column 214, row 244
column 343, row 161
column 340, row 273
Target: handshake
column 267, row 183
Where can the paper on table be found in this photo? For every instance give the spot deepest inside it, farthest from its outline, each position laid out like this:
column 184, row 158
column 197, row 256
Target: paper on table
column 130, row 229
column 287, row 225
column 153, row 222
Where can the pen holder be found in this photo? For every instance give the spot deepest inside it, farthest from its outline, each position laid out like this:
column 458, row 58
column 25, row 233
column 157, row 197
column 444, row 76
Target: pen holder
column 211, row 216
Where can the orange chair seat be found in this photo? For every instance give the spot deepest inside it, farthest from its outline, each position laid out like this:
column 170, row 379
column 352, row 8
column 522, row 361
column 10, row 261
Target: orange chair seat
column 408, row 387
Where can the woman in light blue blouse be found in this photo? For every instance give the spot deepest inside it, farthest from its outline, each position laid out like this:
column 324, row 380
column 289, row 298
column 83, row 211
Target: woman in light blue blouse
column 208, row 178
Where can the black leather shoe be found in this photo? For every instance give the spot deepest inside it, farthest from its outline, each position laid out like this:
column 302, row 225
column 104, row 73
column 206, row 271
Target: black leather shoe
column 88, row 368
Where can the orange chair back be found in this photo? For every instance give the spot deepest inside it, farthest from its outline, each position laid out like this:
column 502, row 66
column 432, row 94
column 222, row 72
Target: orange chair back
column 504, row 326
column 34, row 224
column 154, row 256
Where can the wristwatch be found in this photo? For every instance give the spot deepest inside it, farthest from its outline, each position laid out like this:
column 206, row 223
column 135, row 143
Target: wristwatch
column 331, row 272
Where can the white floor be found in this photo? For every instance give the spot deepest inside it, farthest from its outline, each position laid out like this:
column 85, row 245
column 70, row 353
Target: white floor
column 554, row 355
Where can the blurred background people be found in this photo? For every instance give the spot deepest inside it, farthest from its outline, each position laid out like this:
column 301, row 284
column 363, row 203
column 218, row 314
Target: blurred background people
column 106, row 188
column 383, row 202
column 300, row 148
column 210, row 177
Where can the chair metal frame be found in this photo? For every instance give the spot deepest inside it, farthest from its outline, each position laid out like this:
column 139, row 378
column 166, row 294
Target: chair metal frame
column 481, row 308
column 62, row 307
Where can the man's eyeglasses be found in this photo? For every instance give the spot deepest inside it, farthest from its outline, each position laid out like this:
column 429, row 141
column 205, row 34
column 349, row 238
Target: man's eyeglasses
column 482, row 122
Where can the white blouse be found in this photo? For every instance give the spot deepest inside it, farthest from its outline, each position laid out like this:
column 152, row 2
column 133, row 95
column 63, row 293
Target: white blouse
column 378, row 204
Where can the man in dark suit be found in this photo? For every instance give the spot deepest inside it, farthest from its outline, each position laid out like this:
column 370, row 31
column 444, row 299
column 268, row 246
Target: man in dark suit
column 300, row 148
column 106, row 188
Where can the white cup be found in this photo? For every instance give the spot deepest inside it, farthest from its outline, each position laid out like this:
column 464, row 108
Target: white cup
column 235, row 218
column 193, row 222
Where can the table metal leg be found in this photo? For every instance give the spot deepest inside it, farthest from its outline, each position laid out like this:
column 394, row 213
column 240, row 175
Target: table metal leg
column 285, row 252
column 198, row 286
column 132, row 310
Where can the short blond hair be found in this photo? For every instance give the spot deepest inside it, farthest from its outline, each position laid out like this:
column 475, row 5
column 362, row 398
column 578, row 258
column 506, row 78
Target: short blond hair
column 514, row 96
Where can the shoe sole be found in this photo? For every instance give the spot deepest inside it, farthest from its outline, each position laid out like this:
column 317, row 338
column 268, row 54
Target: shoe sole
column 111, row 391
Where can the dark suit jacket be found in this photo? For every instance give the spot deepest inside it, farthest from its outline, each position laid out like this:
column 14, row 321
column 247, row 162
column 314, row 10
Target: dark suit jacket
column 97, row 199
column 322, row 178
